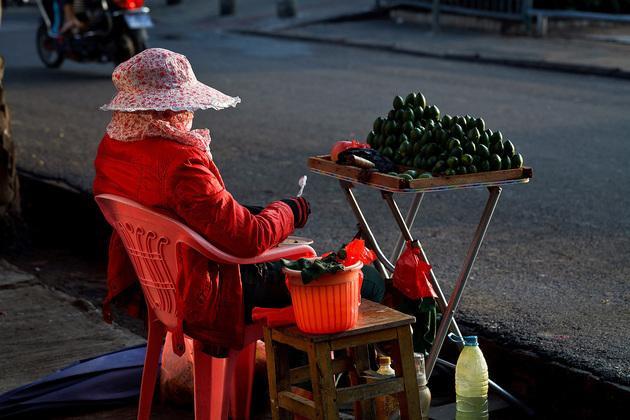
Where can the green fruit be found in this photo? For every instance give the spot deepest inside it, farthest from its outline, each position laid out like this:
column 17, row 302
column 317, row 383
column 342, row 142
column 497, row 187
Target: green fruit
column 467, row 160
column 397, row 157
column 430, row 163
column 407, row 128
column 391, row 141
column 461, row 170
column 418, row 112
column 412, row 172
column 410, row 100
column 392, row 173
column 432, row 112
column 426, row 137
column 484, row 166
column 406, row 176
column 416, row 148
column 508, row 148
column 443, row 155
column 429, row 124
column 484, row 139
column 379, row 140
column 506, row 163
column 476, row 160
column 496, row 137
column 470, row 122
column 405, row 148
column 415, row 134
column 470, row 147
column 473, row 134
column 452, row 162
column 449, row 172
column 481, row 124
column 408, row 115
column 370, row 138
column 378, row 124
column 388, row 152
column 517, row 161
column 495, row 162
column 457, row 131
column 439, row 167
column 399, row 116
column 471, row 169
column 453, row 142
column 433, row 149
column 420, row 100
column 457, row 152
column 390, row 128
column 398, row 102
column 391, row 114
column 424, row 175
column 483, row 152
column 417, row 161
column 447, row 121
column 497, row 148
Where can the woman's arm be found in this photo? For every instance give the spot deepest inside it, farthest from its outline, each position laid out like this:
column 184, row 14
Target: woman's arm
column 201, row 200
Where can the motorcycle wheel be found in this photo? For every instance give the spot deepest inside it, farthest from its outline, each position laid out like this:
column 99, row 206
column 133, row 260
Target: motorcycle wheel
column 47, row 48
column 130, row 44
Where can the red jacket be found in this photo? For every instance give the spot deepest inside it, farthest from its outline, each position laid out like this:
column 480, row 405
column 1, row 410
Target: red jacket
column 183, row 182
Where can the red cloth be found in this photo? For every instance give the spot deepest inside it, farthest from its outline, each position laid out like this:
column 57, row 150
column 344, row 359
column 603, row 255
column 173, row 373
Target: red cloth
column 183, row 182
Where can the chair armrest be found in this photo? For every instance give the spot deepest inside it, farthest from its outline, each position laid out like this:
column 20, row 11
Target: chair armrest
column 290, row 252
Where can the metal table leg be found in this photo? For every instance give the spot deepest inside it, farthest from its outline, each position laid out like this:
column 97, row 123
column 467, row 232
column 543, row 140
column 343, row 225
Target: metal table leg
column 471, row 255
column 365, row 228
column 409, row 221
column 406, row 234
column 385, row 266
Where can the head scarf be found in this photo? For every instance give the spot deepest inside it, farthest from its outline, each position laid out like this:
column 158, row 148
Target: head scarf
column 170, row 125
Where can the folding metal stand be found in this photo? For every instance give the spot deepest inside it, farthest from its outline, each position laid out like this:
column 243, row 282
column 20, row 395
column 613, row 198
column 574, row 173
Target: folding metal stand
column 386, row 265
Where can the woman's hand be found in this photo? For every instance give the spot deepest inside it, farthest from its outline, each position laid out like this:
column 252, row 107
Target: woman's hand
column 300, row 208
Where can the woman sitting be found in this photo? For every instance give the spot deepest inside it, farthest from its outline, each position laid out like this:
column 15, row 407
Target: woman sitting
column 150, row 155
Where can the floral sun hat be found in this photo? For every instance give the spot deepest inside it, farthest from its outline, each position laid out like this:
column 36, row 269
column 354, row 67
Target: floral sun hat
column 159, row 80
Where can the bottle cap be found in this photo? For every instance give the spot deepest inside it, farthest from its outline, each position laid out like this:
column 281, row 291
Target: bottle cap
column 384, row 360
column 471, row 340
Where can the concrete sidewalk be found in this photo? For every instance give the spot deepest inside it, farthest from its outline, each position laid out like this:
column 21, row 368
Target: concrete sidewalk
column 44, row 330
column 411, row 34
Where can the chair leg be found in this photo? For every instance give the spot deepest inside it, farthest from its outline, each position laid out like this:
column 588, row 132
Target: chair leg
column 209, row 379
column 241, row 388
column 156, row 334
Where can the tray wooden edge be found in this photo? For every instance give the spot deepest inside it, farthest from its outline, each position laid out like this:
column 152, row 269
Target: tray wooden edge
column 323, row 164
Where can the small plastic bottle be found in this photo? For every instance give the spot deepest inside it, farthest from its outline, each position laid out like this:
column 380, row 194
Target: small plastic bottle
column 425, row 392
column 384, row 366
column 386, row 406
column 471, row 382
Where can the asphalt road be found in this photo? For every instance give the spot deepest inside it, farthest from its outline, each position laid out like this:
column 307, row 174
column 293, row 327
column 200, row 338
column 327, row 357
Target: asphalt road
column 553, row 273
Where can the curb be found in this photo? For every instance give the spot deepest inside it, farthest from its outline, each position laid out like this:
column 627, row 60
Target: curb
column 559, row 67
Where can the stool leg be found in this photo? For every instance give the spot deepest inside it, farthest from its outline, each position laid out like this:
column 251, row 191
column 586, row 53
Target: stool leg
column 404, row 365
column 323, row 381
column 277, row 373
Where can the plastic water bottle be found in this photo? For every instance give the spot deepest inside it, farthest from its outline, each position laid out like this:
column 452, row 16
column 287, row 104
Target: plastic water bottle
column 471, row 382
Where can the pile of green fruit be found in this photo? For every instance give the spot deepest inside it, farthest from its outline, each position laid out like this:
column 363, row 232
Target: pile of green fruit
column 415, row 135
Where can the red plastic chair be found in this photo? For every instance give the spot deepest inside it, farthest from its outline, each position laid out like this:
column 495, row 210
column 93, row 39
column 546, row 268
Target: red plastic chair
column 152, row 240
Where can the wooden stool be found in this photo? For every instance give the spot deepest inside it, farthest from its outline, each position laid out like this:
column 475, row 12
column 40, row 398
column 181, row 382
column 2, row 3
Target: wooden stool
column 377, row 323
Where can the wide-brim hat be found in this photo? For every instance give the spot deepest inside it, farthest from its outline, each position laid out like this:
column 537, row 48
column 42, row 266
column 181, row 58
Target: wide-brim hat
column 159, row 80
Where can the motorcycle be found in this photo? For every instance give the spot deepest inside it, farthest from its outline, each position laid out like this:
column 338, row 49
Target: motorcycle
column 115, row 30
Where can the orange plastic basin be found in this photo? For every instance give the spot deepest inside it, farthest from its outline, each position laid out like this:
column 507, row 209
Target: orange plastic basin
column 328, row 304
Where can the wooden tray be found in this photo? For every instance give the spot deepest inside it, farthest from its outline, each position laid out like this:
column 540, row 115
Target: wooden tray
column 324, row 165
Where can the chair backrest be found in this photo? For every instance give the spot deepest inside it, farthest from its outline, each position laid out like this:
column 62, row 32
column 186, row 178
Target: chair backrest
column 152, row 241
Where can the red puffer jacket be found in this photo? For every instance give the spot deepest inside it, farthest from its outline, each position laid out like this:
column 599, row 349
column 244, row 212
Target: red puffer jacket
column 183, row 182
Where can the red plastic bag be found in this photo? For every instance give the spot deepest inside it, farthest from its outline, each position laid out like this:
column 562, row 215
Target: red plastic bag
column 356, row 251
column 176, row 373
column 411, row 275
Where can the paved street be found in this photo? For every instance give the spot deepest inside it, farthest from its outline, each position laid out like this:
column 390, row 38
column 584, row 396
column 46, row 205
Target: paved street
column 553, row 273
